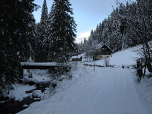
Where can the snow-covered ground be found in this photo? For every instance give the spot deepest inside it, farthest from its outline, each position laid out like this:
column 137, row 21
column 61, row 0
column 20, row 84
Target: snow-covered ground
column 103, row 91
column 19, row 91
column 37, row 76
column 126, row 57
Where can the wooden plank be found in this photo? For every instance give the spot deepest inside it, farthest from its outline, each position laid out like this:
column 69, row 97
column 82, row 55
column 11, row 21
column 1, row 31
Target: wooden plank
column 38, row 67
column 53, row 68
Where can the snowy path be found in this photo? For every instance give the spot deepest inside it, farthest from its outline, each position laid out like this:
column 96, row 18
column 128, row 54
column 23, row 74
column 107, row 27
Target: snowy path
column 104, row 91
column 109, row 93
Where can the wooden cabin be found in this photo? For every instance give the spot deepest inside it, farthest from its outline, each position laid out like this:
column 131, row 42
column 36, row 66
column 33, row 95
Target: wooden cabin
column 104, row 52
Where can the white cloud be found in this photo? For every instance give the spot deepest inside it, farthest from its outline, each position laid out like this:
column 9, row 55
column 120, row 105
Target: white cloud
column 82, row 36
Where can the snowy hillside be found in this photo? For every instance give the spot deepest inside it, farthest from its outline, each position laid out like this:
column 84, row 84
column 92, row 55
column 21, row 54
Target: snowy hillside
column 126, row 57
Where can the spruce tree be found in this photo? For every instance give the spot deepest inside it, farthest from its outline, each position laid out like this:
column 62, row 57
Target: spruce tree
column 33, row 41
column 62, row 32
column 43, row 35
column 16, row 18
column 37, row 42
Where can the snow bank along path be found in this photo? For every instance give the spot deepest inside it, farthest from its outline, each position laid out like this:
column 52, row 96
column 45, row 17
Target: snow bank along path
column 104, row 91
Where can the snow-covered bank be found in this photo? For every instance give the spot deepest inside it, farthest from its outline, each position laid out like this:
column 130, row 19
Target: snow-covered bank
column 65, row 92
column 39, row 75
column 19, row 89
column 104, row 90
column 144, row 89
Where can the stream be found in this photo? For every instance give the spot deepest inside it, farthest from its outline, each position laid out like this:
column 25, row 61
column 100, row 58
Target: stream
column 13, row 107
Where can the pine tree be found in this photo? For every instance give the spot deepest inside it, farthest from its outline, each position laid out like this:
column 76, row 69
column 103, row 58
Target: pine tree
column 50, row 21
column 100, row 33
column 37, row 49
column 62, row 31
column 43, row 42
column 85, row 41
column 33, row 41
column 16, row 18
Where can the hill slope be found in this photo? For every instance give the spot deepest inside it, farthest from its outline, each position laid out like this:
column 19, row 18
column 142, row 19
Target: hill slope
column 126, row 57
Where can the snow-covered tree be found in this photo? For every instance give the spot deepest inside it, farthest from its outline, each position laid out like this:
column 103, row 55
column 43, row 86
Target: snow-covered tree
column 16, row 18
column 62, row 31
column 144, row 13
column 43, row 42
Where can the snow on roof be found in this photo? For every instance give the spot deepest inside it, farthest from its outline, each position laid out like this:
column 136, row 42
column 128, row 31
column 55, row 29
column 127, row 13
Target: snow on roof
column 78, row 56
column 99, row 46
column 41, row 64
column 106, row 46
column 75, row 57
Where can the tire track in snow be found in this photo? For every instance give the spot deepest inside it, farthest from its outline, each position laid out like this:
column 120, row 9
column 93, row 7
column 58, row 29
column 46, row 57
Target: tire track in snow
column 111, row 92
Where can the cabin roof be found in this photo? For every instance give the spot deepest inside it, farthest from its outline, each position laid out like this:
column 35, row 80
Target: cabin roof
column 105, row 46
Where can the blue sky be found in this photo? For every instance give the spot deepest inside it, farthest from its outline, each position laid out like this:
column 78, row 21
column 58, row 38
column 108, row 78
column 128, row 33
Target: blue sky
column 87, row 14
